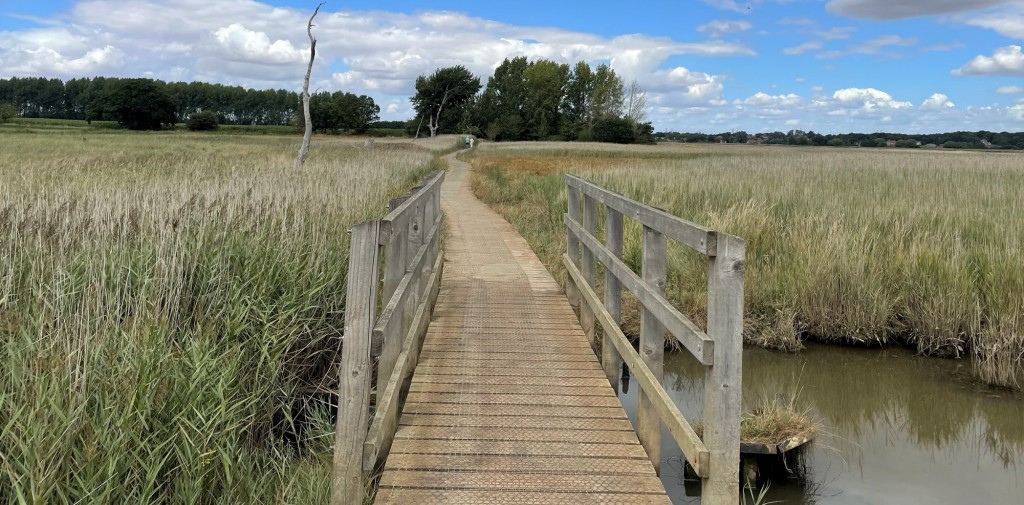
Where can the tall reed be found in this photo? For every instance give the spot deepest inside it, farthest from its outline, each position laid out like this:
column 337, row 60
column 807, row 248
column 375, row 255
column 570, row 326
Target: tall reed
column 171, row 311
column 844, row 245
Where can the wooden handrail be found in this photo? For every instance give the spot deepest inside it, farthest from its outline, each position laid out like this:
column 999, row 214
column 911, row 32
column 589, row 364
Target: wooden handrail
column 716, row 457
column 412, row 262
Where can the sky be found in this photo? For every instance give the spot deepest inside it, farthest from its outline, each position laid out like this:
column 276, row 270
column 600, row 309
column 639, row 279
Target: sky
column 831, row 66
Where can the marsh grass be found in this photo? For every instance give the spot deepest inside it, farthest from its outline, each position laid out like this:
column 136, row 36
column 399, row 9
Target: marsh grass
column 171, row 309
column 864, row 247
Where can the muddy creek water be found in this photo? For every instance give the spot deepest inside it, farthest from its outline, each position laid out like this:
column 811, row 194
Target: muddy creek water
column 894, row 427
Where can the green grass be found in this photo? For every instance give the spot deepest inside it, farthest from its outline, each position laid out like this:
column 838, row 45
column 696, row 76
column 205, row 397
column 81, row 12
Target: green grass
column 171, row 309
column 850, row 246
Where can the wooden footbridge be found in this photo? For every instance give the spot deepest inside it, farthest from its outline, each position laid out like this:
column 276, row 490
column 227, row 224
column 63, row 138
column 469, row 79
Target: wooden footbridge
column 508, row 402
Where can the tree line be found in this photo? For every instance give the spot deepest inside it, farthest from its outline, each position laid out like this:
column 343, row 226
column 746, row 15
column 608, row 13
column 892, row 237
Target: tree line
column 152, row 103
column 951, row 140
column 532, row 100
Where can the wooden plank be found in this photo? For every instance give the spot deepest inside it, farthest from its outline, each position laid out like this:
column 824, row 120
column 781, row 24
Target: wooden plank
column 511, row 464
column 514, row 448
column 691, row 445
column 510, row 389
column 400, row 216
column 700, row 345
column 722, row 381
column 514, row 399
column 613, row 234
column 406, row 496
column 652, row 343
column 471, row 354
column 469, row 409
column 510, row 364
column 525, row 380
column 529, row 422
column 699, row 238
column 348, row 479
column 385, row 419
column 515, row 434
column 648, row 484
column 513, row 372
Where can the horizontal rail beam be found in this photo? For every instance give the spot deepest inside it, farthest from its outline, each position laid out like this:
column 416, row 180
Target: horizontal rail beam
column 700, row 345
column 391, row 315
column 400, row 215
column 699, row 238
column 691, row 445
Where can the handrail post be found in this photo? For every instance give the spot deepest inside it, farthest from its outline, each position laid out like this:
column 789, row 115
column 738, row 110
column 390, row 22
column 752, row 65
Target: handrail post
column 652, row 344
column 348, row 480
column 396, row 255
column 722, row 383
column 573, row 197
column 589, row 269
column 610, row 358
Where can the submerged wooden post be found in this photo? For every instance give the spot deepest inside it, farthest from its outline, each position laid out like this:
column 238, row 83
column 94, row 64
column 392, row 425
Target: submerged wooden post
column 573, row 196
column 589, row 268
column 652, row 344
column 610, row 358
column 722, row 381
column 348, row 480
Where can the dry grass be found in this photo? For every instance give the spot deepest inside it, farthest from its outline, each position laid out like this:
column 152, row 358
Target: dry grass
column 170, row 312
column 856, row 246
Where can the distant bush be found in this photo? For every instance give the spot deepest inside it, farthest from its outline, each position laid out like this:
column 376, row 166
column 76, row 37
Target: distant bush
column 202, row 121
column 614, row 129
column 7, row 112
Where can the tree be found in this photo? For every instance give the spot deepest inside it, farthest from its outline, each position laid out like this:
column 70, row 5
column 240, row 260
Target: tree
column 545, row 83
column 614, row 129
column 300, row 158
column 138, row 104
column 340, row 111
column 636, row 103
column 7, row 112
column 576, row 102
column 606, row 96
column 202, row 121
column 441, row 97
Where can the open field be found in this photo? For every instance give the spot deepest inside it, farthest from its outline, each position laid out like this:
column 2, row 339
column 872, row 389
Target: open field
column 171, row 307
column 844, row 245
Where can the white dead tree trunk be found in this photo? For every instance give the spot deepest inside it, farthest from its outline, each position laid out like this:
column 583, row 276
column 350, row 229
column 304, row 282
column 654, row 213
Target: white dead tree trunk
column 432, row 121
column 304, row 149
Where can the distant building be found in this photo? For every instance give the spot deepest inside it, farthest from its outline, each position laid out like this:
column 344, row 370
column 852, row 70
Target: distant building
column 756, row 140
column 890, row 143
column 986, row 143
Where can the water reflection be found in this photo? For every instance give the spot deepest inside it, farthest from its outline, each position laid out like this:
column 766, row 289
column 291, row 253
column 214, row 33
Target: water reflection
column 896, row 428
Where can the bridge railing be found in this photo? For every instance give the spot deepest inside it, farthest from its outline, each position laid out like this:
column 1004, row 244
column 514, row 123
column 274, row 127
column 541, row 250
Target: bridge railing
column 715, row 458
column 410, row 236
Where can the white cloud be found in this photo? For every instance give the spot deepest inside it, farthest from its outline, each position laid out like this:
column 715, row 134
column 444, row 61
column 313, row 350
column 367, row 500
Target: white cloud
column 887, row 9
column 719, row 27
column 245, row 45
column 937, row 101
column 881, row 43
column 810, row 45
column 1010, row 90
column 680, row 87
column 729, row 5
column 1017, row 111
column 867, row 100
column 1008, row 21
column 1005, row 61
column 837, row 33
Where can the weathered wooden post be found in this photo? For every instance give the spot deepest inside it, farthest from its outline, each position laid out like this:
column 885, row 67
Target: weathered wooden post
column 589, row 269
column 610, row 358
column 722, row 381
column 652, row 343
column 573, row 195
column 348, row 480
column 395, row 257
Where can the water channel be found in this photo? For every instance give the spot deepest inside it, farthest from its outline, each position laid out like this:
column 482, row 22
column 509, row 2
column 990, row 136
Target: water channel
column 894, row 427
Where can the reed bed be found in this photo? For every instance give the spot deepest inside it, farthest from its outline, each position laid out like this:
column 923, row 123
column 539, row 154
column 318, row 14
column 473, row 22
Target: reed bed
column 861, row 246
column 171, row 311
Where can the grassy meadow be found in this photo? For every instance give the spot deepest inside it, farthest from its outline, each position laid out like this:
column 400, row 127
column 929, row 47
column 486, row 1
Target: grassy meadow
column 861, row 246
column 171, row 307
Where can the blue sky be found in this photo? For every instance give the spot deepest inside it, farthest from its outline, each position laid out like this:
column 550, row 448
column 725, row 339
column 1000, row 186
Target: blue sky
column 707, row 65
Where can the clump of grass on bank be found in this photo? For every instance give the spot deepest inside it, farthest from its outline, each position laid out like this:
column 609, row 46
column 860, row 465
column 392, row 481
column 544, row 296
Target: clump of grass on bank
column 171, row 310
column 864, row 247
column 772, row 422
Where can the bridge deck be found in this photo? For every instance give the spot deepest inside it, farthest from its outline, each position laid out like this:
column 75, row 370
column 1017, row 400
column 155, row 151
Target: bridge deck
column 508, row 403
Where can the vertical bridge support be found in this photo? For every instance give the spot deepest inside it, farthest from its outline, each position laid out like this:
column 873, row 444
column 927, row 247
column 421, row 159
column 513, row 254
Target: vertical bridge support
column 715, row 458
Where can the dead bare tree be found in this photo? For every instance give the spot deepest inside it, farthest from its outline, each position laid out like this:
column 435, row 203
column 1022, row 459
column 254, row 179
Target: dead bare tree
column 432, row 121
column 304, row 149
column 636, row 108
